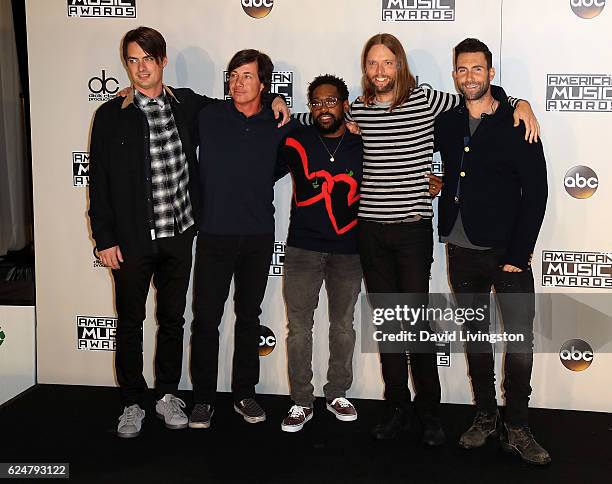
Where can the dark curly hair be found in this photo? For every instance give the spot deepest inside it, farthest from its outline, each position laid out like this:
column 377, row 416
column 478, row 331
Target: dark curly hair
column 332, row 80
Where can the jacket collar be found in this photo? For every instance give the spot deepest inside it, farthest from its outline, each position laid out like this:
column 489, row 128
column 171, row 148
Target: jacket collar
column 498, row 94
column 129, row 99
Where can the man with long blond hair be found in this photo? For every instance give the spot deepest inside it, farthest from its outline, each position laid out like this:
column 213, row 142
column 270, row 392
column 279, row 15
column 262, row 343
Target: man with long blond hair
column 396, row 118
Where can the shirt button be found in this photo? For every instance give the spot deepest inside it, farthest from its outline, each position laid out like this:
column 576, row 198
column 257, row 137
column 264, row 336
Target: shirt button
column 462, row 174
column 466, row 149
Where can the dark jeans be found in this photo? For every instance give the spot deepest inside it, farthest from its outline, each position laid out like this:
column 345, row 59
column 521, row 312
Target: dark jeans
column 396, row 258
column 304, row 273
column 472, row 273
column 170, row 268
column 246, row 258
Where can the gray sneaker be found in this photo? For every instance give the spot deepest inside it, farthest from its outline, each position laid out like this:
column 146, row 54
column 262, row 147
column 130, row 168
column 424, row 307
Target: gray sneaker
column 130, row 421
column 200, row 416
column 484, row 426
column 250, row 410
column 170, row 410
column 520, row 440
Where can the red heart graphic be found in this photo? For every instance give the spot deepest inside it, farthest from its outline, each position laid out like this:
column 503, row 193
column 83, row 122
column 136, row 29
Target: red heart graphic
column 326, row 188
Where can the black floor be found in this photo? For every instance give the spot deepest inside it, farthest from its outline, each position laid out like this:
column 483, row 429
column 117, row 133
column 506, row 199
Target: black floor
column 76, row 424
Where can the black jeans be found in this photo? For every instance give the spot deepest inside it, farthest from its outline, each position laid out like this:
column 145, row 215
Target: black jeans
column 170, row 269
column 472, row 273
column 396, row 258
column 246, row 258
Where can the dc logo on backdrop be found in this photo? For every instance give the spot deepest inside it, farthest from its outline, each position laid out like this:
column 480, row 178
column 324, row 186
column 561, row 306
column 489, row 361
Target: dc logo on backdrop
column 2, row 336
column 579, row 92
column 96, row 333
column 267, row 341
column 443, row 354
column 581, row 182
column 257, row 8
column 102, row 8
column 80, row 168
column 418, row 10
column 282, row 83
column 587, row 8
column 102, row 88
column 577, row 269
column 576, row 355
column 278, row 259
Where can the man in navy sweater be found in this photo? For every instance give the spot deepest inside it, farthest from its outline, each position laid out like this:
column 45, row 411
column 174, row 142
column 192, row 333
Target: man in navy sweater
column 239, row 142
column 490, row 213
column 325, row 162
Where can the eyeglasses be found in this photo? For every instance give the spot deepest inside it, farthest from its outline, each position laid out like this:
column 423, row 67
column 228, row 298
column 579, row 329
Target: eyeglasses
column 329, row 102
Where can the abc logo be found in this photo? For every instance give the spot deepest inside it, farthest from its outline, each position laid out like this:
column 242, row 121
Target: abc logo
column 576, row 355
column 581, row 182
column 257, row 8
column 587, row 8
column 103, row 85
column 267, row 341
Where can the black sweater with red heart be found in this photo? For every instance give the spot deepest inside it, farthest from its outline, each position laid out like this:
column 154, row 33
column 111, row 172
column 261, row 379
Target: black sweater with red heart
column 326, row 175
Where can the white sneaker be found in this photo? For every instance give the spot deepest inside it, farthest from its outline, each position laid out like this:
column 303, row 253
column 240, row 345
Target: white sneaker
column 169, row 409
column 130, row 421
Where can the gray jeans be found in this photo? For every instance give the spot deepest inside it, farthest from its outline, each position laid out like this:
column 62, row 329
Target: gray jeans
column 304, row 273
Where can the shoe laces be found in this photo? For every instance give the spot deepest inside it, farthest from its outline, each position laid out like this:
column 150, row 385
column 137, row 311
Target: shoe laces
column 482, row 417
column 251, row 405
column 176, row 405
column 296, row 411
column 343, row 402
column 129, row 415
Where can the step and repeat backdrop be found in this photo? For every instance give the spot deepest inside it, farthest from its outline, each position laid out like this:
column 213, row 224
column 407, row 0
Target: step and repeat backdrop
column 550, row 52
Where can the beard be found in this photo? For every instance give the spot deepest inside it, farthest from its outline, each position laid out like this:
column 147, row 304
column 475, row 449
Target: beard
column 473, row 96
column 332, row 128
column 387, row 88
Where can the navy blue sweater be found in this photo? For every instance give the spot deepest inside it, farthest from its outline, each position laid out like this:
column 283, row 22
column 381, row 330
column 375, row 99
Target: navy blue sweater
column 325, row 194
column 238, row 160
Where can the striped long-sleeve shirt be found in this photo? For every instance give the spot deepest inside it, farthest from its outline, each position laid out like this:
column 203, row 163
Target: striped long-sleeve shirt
column 398, row 154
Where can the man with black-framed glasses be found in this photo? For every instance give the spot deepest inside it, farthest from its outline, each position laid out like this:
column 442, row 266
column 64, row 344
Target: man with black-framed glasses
column 325, row 162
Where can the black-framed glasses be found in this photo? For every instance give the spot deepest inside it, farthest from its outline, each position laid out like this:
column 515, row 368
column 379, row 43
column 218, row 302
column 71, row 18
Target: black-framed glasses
column 328, row 102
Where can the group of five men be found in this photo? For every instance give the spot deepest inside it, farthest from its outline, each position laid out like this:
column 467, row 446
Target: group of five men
column 361, row 207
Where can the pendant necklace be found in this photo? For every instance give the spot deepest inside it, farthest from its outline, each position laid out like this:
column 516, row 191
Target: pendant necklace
column 331, row 155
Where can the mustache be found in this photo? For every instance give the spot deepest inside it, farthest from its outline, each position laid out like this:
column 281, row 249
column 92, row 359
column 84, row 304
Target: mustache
column 326, row 114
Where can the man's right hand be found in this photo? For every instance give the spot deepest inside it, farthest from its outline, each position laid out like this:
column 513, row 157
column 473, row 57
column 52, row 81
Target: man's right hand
column 111, row 257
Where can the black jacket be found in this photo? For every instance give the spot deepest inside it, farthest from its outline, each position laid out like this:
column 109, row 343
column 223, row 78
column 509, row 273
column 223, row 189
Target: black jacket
column 502, row 196
column 120, row 198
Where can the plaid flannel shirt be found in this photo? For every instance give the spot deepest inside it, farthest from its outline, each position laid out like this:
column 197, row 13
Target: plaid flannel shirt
column 169, row 171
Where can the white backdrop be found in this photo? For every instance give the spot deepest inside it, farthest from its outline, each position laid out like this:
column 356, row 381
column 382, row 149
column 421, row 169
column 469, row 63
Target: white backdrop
column 71, row 57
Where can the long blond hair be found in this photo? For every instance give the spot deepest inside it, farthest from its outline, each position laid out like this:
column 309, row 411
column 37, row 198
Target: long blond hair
column 404, row 82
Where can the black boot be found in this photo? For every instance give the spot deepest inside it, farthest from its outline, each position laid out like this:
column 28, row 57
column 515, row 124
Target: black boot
column 397, row 419
column 433, row 434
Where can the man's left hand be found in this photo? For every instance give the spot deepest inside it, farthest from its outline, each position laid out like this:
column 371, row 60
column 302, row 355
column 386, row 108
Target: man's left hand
column 523, row 112
column 511, row 268
column 279, row 106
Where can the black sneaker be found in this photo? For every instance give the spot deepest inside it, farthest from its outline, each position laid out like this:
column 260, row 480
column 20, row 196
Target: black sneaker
column 433, row 433
column 250, row 410
column 200, row 416
column 485, row 425
column 520, row 440
column 396, row 420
